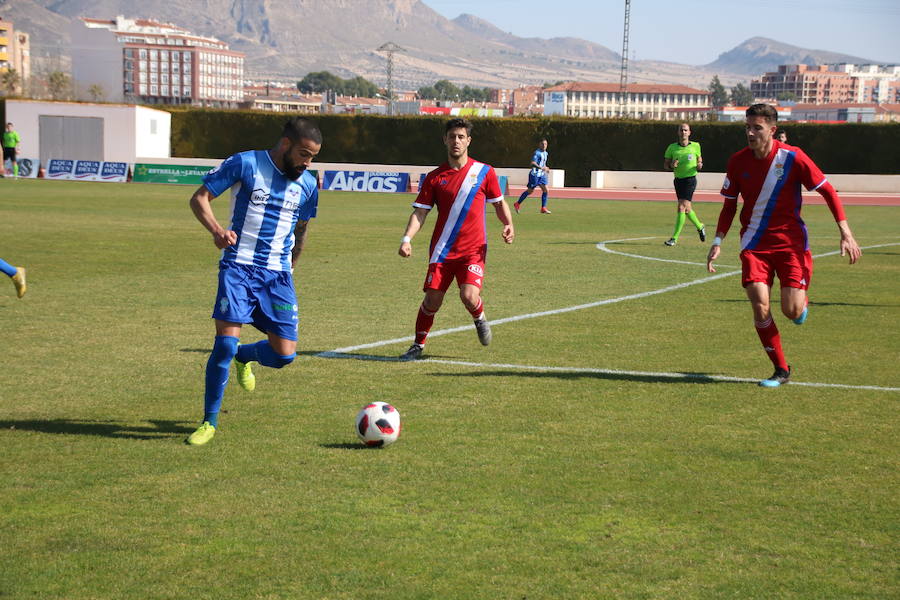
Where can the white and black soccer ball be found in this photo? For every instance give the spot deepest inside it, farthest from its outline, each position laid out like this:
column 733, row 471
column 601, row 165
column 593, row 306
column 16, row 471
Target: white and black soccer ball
column 378, row 424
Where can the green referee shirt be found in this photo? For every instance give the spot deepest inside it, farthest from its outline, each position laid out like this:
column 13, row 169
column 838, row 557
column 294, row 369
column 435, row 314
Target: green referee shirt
column 11, row 139
column 686, row 156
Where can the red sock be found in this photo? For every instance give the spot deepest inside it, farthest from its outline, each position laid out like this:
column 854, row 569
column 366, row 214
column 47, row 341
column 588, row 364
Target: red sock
column 771, row 341
column 424, row 321
column 478, row 311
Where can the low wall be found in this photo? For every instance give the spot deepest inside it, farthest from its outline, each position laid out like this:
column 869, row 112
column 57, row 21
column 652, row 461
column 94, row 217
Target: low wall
column 653, row 180
column 514, row 176
column 645, row 180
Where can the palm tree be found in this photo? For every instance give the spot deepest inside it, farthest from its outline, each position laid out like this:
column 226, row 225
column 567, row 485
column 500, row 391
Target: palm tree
column 10, row 81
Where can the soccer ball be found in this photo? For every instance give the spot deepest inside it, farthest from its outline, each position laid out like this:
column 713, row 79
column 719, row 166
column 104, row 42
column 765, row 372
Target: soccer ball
column 378, row 424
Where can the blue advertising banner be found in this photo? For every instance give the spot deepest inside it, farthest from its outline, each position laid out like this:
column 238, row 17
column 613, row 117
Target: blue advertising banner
column 113, row 171
column 60, row 168
column 364, row 181
column 86, row 170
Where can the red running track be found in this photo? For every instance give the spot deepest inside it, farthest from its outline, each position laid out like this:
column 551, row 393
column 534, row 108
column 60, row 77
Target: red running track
column 849, row 199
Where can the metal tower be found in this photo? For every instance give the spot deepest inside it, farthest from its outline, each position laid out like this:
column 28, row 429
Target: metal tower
column 623, row 78
column 389, row 48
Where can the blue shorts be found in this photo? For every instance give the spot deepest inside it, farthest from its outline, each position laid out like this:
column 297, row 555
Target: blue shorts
column 537, row 180
column 261, row 297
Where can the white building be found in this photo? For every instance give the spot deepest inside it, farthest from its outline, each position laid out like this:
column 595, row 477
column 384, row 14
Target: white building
column 642, row 101
column 146, row 62
column 874, row 83
column 85, row 131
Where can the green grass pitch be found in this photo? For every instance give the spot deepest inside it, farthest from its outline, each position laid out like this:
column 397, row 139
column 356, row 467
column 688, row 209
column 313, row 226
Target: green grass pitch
column 572, row 459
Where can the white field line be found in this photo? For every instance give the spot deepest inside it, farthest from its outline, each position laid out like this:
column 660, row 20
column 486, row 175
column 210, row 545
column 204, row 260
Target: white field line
column 696, row 377
column 350, row 351
column 602, row 246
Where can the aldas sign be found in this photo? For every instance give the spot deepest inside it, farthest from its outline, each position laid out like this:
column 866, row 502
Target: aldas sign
column 365, row 181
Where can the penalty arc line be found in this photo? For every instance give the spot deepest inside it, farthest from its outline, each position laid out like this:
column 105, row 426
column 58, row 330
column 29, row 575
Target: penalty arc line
column 349, row 351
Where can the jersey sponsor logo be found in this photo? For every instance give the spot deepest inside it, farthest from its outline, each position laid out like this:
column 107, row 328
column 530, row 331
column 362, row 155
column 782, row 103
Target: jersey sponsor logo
column 364, row 181
column 476, row 269
column 292, row 198
column 259, row 197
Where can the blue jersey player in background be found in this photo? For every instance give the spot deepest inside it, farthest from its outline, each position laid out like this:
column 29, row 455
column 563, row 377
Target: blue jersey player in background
column 537, row 177
column 272, row 200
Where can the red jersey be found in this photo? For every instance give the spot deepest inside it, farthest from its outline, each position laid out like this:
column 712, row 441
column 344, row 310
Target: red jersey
column 460, row 196
column 770, row 187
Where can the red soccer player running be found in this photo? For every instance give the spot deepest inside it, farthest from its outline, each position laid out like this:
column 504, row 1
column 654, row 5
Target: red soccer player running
column 460, row 188
column 768, row 174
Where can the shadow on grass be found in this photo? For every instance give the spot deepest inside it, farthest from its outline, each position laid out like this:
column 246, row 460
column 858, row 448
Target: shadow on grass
column 814, row 304
column 682, row 377
column 111, row 429
column 674, row 378
column 348, row 446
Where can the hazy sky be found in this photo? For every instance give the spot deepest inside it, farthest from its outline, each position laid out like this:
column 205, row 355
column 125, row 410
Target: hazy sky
column 695, row 32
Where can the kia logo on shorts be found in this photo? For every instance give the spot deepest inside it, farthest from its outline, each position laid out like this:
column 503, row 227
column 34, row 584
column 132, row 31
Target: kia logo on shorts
column 477, row 270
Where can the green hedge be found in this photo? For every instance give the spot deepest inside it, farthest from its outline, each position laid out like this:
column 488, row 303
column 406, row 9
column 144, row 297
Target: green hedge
column 578, row 146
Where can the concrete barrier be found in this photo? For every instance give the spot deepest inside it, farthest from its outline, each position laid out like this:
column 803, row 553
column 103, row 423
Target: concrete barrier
column 658, row 180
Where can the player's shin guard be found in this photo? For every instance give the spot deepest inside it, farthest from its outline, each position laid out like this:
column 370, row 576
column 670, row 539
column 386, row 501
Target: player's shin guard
column 544, row 200
column 424, row 321
column 263, row 353
column 522, row 196
column 224, row 349
column 771, row 341
column 679, row 224
column 478, row 311
column 694, row 219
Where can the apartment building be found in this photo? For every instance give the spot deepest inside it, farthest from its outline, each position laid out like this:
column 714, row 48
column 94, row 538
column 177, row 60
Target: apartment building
column 147, row 62
column 829, row 84
column 15, row 52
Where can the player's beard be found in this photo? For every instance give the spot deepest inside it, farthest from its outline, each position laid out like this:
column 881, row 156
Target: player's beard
column 291, row 169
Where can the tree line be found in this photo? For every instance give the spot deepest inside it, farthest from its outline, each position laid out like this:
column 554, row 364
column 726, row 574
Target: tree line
column 324, row 81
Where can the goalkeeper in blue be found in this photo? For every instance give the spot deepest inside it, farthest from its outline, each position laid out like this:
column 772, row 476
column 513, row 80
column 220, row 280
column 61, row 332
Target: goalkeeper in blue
column 273, row 198
column 537, row 177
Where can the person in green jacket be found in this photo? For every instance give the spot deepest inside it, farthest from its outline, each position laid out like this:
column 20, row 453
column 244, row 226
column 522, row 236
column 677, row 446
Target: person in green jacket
column 11, row 141
column 684, row 159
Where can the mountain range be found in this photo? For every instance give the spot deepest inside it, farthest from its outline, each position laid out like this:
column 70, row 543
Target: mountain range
column 285, row 39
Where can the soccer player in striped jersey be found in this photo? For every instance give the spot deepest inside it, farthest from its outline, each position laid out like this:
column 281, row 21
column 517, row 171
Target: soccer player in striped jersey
column 273, row 198
column 768, row 175
column 537, row 177
column 460, row 189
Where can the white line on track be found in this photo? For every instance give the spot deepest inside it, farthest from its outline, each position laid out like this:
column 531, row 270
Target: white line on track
column 350, row 351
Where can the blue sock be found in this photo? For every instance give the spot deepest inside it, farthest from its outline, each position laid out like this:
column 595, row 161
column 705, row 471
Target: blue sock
column 544, row 200
column 217, row 368
column 263, row 353
column 7, row 268
column 523, row 196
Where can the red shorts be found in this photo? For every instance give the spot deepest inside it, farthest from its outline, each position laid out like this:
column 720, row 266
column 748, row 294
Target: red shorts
column 468, row 270
column 794, row 269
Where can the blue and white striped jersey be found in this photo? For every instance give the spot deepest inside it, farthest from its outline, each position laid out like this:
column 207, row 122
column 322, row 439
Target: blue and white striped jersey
column 540, row 159
column 265, row 207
